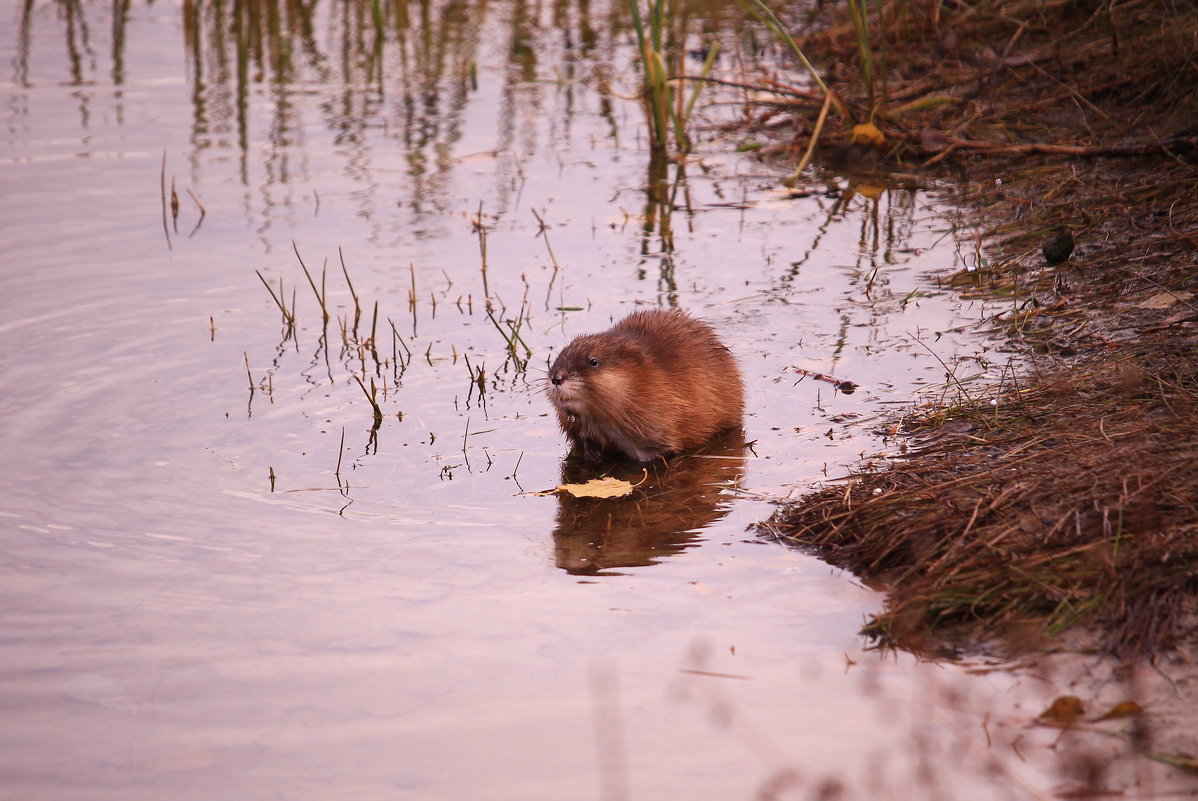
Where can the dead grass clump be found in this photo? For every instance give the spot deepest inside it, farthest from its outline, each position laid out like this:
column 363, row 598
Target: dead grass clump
column 1006, row 78
column 1074, row 497
column 1017, row 519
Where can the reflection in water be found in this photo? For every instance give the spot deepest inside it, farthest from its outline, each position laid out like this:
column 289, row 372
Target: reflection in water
column 395, row 77
column 661, row 517
column 401, row 70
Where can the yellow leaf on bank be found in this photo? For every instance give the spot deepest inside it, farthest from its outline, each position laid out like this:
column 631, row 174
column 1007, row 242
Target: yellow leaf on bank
column 867, row 133
column 1164, row 300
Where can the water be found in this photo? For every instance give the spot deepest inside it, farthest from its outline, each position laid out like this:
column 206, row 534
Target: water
column 209, row 590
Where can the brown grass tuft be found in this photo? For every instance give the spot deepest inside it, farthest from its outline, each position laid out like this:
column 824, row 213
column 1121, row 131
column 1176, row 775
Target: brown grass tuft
column 1076, row 501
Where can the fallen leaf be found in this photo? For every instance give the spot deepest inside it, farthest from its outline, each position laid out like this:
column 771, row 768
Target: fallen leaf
column 871, row 191
column 867, row 133
column 1164, row 300
column 607, row 487
column 599, row 488
column 1064, row 711
column 1123, row 709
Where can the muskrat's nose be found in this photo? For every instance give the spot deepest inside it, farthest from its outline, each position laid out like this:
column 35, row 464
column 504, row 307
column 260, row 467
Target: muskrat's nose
column 557, row 379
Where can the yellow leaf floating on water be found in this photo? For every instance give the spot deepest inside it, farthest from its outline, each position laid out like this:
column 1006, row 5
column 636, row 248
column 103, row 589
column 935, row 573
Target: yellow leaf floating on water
column 606, row 487
column 871, row 191
column 598, row 488
column 1065, row 710
column 867, row 133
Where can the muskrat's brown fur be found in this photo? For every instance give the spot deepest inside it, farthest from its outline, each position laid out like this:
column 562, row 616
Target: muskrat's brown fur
column 656, row 383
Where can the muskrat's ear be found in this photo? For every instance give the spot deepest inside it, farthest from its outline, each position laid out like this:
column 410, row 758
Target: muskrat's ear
column 632, row 350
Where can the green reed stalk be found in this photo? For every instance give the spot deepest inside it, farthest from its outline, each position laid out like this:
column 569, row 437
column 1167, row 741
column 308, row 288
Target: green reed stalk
column 864, row 50
column 882, row 53
column 708, row 63
column 657, row 89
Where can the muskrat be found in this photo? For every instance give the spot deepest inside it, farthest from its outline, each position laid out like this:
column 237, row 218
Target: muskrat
column 656, row 383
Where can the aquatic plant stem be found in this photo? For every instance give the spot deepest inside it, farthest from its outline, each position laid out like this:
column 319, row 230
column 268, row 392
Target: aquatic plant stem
column 819, row 126
column 370, row 393
column 320, row 298
column 162, row 184
column 864, row 51
column 656, row 91
column 352, row 293
column 288, row 317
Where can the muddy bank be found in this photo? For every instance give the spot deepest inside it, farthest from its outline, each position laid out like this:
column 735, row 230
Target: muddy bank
column 1067, row 495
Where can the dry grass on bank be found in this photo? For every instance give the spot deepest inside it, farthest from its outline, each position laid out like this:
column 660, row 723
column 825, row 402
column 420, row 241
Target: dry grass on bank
column 944, row 80
column 1076, row 499
column 1071, row 494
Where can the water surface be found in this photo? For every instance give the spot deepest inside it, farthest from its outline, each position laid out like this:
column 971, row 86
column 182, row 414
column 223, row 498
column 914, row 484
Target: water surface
column 221, row 578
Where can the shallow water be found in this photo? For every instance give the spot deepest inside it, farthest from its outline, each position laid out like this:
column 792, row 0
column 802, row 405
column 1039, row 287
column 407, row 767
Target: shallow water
column 212, row 590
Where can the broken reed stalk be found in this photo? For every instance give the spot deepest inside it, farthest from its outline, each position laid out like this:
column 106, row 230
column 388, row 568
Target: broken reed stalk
column 352, row 293
column 396, row 341
column 510, row 337
column 543, row 232
column 288, row 317
column 199, row 205
column 319, row 293
column 481, row 229
column 478, row 378
column 166, row 231
column 340, row 451
column 370, row 396
column 248, row 374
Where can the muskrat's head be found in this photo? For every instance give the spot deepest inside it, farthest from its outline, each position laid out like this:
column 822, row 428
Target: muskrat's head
column 595, row 376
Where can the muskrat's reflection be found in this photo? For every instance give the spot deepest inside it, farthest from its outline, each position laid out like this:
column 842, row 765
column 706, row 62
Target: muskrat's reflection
column 661, row 517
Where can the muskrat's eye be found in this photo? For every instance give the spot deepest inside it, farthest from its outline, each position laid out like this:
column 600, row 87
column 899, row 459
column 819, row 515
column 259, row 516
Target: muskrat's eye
column 593, row 362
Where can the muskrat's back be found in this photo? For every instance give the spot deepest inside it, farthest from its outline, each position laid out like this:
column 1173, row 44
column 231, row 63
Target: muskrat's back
column 656, row 383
